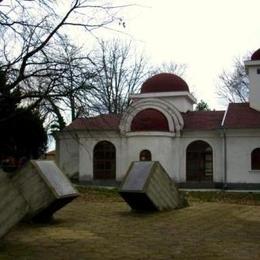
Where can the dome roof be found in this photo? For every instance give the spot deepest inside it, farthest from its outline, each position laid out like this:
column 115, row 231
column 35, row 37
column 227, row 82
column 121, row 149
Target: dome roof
column 164, row 82
column 256, row 55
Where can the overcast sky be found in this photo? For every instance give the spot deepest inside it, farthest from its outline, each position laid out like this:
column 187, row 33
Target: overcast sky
column 206, row 35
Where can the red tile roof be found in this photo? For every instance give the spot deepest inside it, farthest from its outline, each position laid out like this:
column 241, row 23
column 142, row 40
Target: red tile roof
column 240, row 115
column 202, row 120
column 101, row 122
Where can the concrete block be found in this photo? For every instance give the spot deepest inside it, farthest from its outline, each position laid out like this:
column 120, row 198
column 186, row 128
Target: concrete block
column 13, row 207
column 34, row 192
column 45, row 188
column 148, row 187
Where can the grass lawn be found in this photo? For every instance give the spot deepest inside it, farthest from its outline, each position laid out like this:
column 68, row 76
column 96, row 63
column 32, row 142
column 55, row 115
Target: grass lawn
column 99, row 225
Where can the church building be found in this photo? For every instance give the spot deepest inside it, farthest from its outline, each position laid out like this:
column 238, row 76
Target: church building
column 203, row 149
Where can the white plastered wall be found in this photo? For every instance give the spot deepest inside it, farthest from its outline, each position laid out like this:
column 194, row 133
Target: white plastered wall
column 253, row 70
column 240, row 144
column 128, row 148
column 170, row 151
column 67, row 148
column 87, row 142
column 162, row 148
column 254, row 96
column 77, row 155
column 214, row 139
column 182, row 100
column 182, row 103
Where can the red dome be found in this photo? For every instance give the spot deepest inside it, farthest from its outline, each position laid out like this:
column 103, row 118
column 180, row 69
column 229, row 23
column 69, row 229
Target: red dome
column 164, row 82
column 149, row 120
column 256, row 55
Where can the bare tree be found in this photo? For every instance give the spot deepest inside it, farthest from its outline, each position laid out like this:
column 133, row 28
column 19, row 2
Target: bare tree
column 170, row 67
column 234, row 86
column 119, row 72
column 69, row 92
column 30, row 33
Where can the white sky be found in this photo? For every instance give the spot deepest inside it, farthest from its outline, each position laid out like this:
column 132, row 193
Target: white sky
column 206, row 35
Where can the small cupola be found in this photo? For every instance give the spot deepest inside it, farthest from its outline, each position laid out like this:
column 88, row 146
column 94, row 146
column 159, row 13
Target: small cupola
column 164, row 82
column 167, row 87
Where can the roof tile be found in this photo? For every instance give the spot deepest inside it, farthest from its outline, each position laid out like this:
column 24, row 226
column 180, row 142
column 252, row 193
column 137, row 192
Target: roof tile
column 240, row 115
column 101, row 122
column 202, row 120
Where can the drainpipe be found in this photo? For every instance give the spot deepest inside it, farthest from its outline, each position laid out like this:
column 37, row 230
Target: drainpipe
column 225, row 150
column 225, row 158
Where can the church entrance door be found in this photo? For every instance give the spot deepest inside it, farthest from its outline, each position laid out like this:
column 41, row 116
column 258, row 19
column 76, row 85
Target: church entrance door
column 104, row 161
column 199, row 162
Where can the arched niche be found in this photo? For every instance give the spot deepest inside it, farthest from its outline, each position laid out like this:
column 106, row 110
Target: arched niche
column 145, row 155
column 173, row 116
column 149, row 120
column 104, row 161
column 255, row 159
column 199, row 162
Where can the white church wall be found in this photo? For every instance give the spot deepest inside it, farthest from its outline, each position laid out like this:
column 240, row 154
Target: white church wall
column 213, row 138
column 162, row 149
column 86, row 159
column 68, row 153
column 240, row 145
column 182, row 103
column 182, row 100
column 87, row 142
column 253, row 68
column 75, row 152
column 254, row 96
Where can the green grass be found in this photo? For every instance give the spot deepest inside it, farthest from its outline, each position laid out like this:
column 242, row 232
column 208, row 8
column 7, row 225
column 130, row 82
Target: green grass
column 247, row 198
column 99, row 191
column 100, row 225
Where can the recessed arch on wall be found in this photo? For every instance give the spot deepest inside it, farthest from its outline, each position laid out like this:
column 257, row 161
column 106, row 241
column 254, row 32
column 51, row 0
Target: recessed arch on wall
column 149, row 119
column 173, row 116
column 255, row 159
column 145, row 155
column 199, row 162
column 104, row 161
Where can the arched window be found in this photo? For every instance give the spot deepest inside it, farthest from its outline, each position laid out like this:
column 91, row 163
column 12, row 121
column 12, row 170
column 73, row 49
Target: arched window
column 255, row 159
column 199, row 162
column 145, row 155
column 150, row 120
column 104, row 161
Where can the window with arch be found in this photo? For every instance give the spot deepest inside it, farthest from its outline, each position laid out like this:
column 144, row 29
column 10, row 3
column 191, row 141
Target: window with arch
column 199, row 162
column 104, row 161
column 255, row 159
column 145, row 155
